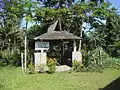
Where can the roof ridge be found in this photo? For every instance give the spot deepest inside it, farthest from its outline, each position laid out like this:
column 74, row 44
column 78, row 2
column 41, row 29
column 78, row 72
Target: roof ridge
column 52, row 27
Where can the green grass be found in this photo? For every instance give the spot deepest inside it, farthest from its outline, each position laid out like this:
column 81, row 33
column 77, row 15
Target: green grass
column 11, row 78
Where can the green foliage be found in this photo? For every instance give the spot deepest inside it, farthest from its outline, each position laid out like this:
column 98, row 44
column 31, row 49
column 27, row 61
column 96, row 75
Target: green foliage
column 51, row 63
column 33, row 32
column 92, row 67
column 31, row 68
column 97, row 56
column 12, row 58
column 15, row 59
column 98, row 60
column 112, row 63
column 11, row 15
column 106, row 35
column 8, row 55
column 3, row 62
column 42, row 68
column 72, row 18
column 57, row 3
column 113, row 35
column 94, row 60
column 78, row 66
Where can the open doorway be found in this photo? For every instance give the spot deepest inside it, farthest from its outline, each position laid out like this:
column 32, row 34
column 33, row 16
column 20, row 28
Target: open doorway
column 62, row 51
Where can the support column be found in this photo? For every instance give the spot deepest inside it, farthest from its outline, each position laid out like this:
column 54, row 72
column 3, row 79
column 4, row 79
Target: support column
column 74, row 46
column 40, row 59
column 76, row 55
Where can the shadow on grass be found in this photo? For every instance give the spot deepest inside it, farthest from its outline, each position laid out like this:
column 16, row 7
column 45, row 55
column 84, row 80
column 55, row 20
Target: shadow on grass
column 114, row 85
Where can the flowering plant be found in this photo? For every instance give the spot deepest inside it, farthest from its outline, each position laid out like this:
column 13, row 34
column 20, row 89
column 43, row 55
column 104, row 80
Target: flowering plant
column 51, row 63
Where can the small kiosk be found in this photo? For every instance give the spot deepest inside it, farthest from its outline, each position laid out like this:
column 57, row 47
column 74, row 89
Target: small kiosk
column 42, row 44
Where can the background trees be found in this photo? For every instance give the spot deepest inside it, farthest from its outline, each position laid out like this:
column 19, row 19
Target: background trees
column 101, row 19
column 11, row 36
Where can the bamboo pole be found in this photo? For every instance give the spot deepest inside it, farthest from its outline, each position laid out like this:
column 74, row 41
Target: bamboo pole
column 60, row 24
column 25, row 54
column 80, row 43
column 74, row 46
column 22, row 63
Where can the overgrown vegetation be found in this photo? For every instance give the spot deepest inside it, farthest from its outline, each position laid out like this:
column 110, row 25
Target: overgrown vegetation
column 42, row 68
column 101, row 39
column 113, row 63
column 12, row 58
column 31, row 68
column 96, row 61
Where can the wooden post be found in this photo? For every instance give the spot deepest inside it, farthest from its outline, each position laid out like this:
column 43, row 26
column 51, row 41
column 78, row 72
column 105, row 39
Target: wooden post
column 63, row 52
column 22, row 63
column 74, row 46
column 61, row 62
column 25, row 54
column 60, row 24
column 81, row 32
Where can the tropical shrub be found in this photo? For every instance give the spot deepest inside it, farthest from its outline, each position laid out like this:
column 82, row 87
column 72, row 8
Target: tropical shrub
column 7, row 55
column 51, row 63
column 97, row 56
column 93, row 61
column 0, row 54
column 16, row 58
column 98, row 59
column 31, row 68
column 42, row 68
column 78, row 66
column 112, row 63
column 92, row 67
column 3, row 61
column 12, row 58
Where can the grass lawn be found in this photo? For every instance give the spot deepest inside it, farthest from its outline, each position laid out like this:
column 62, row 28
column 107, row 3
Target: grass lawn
column 11, row 78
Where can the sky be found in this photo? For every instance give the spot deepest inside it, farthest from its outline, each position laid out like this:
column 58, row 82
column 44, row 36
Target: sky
column 115, row 3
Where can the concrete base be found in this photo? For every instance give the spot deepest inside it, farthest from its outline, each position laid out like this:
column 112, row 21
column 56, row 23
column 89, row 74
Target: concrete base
column 76, row 56
column 62, row 68
column 40, row 59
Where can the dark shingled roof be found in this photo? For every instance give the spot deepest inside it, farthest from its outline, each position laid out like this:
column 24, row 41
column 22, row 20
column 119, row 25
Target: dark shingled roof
column 56, row 35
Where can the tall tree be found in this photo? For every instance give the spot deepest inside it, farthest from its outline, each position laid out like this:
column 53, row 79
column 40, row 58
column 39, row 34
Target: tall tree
column 11, row 14
column 57, row 3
